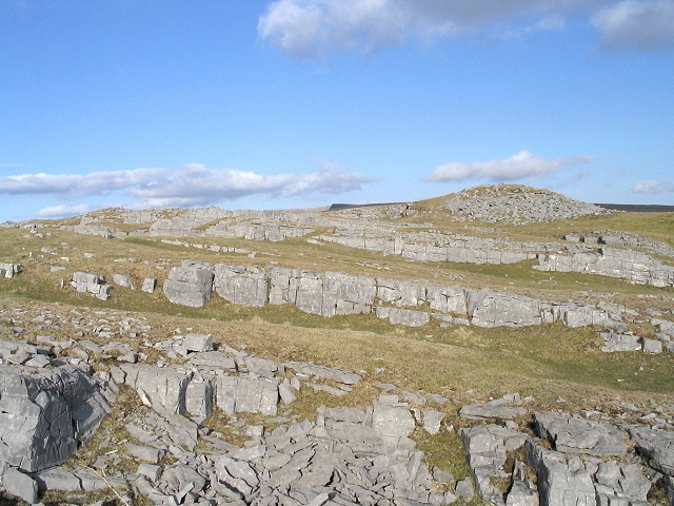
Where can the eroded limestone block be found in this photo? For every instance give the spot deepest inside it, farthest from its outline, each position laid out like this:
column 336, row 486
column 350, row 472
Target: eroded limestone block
column 189, row 285
column 248, row 286
column 577, row 435
column 46, row 413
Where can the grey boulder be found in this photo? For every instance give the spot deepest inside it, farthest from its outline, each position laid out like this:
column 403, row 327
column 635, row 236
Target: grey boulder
column 46, row 413
column 189, row 285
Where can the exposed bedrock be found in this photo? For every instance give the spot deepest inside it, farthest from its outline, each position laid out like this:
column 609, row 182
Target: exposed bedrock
column 400, row 301
column 46, row 413
column 633, row 266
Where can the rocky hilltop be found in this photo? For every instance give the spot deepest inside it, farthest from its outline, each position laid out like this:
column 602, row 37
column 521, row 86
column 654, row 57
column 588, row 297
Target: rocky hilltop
column 515, row 204
column 503, row 345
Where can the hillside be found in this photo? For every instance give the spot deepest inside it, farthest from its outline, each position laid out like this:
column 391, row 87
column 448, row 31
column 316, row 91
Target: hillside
column 460, row 348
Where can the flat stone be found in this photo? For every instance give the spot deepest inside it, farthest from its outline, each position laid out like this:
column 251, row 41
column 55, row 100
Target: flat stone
column 614, row 342
column 656, row 445
column 122, row 280
column 392, row 422
column 57, row 478
column 286, row 393
column 150, row 471
column 620, row 482
column 653, row 346
column 146, row 453
column 90, row 480
column 198, row 342
column 487, row 412
column 213, row 359
column 577, row 435
column 464, row 489
column 20, row 485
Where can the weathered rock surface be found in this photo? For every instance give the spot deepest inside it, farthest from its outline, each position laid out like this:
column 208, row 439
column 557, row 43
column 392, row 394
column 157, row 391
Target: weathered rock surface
column 572, row 434
column 46, row 413
column 335, row 293
column 9, row 270
column 20, row 484
column 240, row 285
column 634, row 266
column 189, row 285
column 122, row 280
column 657, row 446
column 92, row 283
column 614, row 342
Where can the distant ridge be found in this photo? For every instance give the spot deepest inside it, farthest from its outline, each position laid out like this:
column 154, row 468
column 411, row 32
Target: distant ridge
column 341, row 207
column 632, row 208
column 638, row 208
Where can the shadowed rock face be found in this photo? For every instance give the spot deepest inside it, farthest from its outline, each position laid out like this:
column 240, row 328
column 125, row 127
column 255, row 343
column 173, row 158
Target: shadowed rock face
column 46, row 413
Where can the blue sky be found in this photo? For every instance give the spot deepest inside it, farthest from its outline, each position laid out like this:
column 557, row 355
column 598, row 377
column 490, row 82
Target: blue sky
column 302, row 103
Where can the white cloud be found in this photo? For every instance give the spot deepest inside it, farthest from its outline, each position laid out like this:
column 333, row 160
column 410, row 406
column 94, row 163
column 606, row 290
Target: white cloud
column 191, row 185
column 196, row 184
column 199, row 185
column 62, row 210
column 638, row 24
column 652, row 186
column 518, row 166
column 329, row 180
column 76, row 185
column 309, row 28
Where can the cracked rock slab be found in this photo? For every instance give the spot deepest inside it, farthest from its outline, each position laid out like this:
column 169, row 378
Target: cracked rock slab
column 573, row 434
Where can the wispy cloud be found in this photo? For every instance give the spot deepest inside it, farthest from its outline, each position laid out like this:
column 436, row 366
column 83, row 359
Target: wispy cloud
column 652, row 186
column 518, row 166
column 637, row 24
column 309, row 28
column 62, row 210
column 191, row 185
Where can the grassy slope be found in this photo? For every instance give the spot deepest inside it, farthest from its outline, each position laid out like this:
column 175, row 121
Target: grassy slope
column 545, row 360
column 462, row 363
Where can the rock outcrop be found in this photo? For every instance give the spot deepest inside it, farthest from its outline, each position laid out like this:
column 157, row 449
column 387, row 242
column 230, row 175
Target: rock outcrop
column 92, row 283
column 45, row 414
column 339, row 455
column 569, row 473
column 334, row 293
column 190, row 284
column 633, row 266
column 515, row 204
column 9, row 270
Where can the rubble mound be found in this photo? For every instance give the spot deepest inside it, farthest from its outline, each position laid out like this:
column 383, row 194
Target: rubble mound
column 515, row 204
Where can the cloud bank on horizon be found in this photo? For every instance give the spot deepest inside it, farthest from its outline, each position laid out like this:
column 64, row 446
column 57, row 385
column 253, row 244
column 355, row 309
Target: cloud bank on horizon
column 652, row 186
column 191, row 185
column 309, row 28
